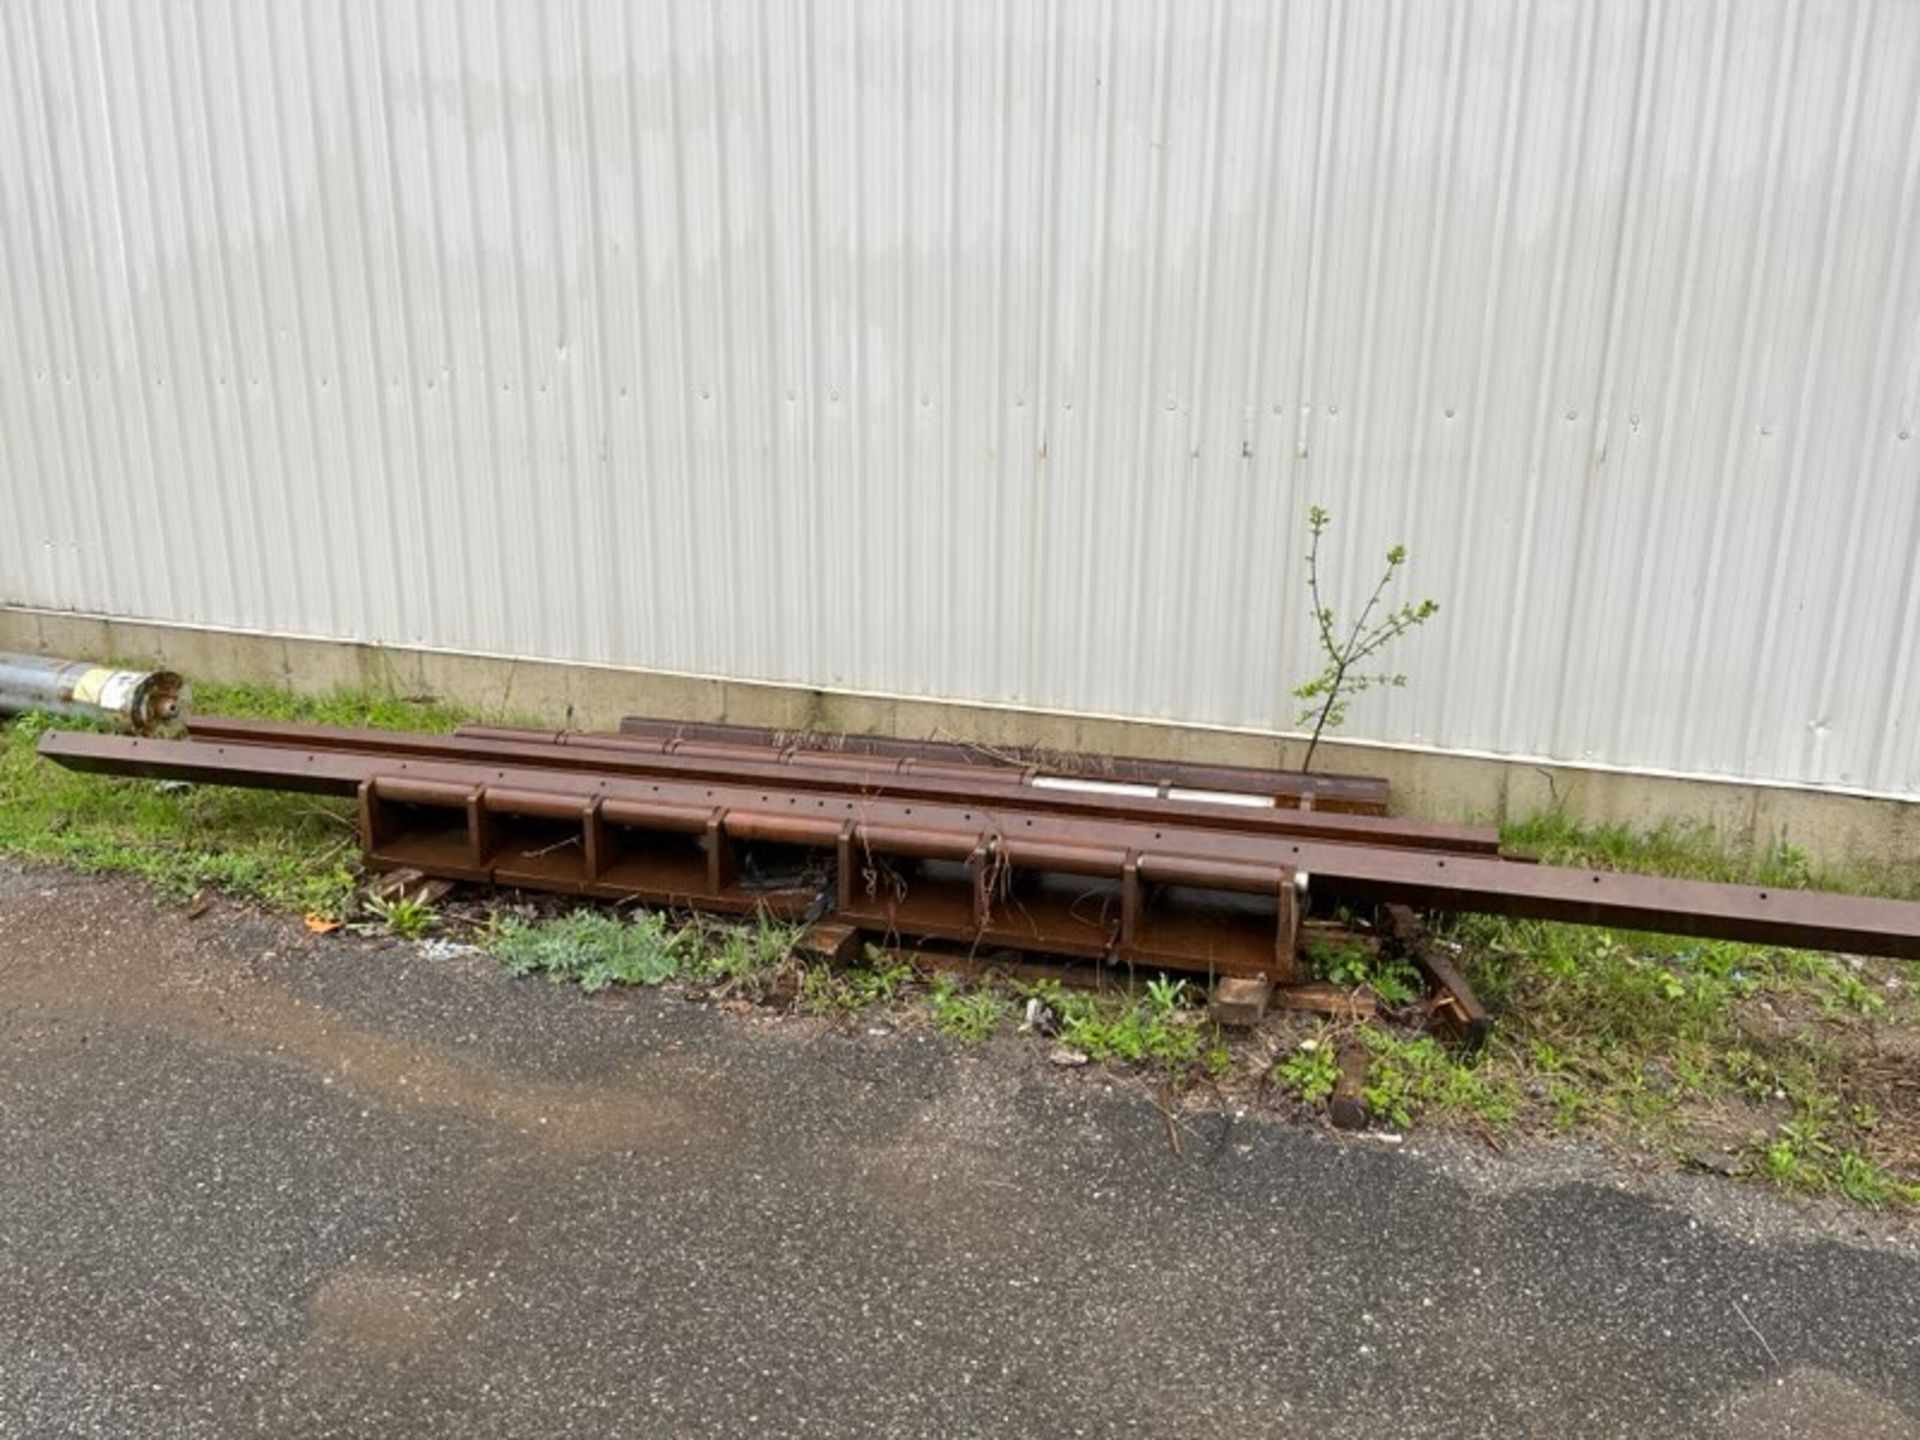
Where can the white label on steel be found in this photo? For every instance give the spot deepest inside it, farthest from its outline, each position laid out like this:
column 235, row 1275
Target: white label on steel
column 1222, row 797
column 1092, row 787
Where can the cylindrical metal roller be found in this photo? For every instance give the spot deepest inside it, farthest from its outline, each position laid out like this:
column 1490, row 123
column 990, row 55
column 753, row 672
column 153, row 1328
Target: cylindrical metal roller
column 918, row 843
column 1067, row 859
column 408, row 790
column 1212, row 874
column 536, row 804
column 142, row 700
column 781, row 829
column 643, row 815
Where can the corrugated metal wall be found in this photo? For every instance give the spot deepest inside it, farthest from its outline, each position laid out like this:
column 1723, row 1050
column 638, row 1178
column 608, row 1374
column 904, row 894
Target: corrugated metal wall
column 992, row 349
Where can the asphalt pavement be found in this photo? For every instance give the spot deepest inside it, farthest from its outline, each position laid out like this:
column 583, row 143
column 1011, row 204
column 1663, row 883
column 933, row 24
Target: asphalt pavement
column 254, row 1181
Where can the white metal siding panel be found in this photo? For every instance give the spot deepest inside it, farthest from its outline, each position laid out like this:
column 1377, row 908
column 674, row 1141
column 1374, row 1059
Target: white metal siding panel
column 995, row 350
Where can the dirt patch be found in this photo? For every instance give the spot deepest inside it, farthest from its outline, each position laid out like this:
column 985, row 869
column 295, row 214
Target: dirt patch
column 1812, row 1405
column 947, row 1174
column 389, row 1315
column 99, row 955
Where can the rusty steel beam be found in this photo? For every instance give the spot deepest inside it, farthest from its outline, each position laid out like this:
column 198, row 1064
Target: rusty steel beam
column 946, row 783
column 1063, row 845
column 1454, row 1002
column 896, row 867
column 1350, row 794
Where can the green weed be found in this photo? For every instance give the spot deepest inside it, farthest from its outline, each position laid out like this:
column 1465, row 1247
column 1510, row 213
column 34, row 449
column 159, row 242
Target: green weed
column 1310, row 1070
column 969, row 1016
column 1347, row 961
column 1407, row 1078
column 408, row 917
column 848, row 990
column 1156, row 1025
column 595, row 949
column 745, row 954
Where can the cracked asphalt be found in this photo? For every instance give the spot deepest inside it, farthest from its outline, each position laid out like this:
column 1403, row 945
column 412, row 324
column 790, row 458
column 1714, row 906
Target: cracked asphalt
column 258, row 1182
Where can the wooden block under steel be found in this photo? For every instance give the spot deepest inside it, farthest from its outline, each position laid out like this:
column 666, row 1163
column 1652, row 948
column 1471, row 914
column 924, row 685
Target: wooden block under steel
column 834, row 941
column 1324, row 999
column 1240, row 1000
column 1348, row 1107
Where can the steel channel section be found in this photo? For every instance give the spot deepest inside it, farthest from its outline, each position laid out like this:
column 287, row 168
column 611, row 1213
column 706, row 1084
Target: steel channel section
column 1072, row 899
column 1351, row 794
column 1343, row 872
column 873, row 775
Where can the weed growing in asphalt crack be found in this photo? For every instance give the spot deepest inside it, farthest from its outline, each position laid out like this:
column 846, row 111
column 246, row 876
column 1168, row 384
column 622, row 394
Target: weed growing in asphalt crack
column 1310, row 1070
column 406, row 916
column 1155, row 1024
column 848, row 990
column 594, row 948
column 969, row 1016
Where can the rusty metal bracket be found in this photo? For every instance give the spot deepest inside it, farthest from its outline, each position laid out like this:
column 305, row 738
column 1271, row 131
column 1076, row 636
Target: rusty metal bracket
column 1454, row 1004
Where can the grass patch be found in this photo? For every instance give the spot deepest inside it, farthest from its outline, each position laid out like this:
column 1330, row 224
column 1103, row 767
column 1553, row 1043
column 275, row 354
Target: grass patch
column 1311, row 1069
column 1163, row 1023
column 1347, row 960
column 291, row 852
column 1786, row 1065
column 851, row 989
column 1697, row 852
column 968, row 1016
column 1409, row 1077
column 745, row 956
column 595, row 949
column 406, row 916
column 1774, row 1058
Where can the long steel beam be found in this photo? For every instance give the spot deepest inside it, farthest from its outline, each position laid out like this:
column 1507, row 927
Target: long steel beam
column 1346, row 872
column 875, row 775
column 1351, row 794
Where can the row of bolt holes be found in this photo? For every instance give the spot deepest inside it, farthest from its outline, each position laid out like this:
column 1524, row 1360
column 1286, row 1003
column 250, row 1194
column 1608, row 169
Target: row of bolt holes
column 501, row 774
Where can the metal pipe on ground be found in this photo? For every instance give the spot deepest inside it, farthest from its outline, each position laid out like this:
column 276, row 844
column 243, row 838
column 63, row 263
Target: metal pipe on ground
column 141, row 700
